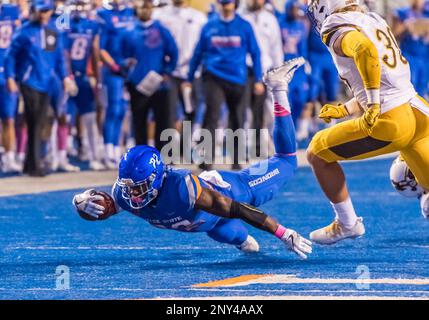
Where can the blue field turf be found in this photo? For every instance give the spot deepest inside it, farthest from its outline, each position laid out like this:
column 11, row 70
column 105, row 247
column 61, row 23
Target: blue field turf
column 126, row 258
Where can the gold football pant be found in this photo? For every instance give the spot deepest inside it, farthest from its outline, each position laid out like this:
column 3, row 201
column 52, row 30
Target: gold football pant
column 404, row 129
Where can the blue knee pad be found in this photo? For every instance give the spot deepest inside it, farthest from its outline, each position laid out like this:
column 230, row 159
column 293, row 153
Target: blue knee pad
column 230, row 231
column 8, row 103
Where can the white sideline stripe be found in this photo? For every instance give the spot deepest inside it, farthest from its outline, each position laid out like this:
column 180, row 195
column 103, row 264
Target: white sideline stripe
column 291, row 279
column 83, row 180
column 107, row 248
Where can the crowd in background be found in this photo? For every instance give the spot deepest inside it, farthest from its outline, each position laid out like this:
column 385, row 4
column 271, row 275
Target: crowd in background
column 84, row 80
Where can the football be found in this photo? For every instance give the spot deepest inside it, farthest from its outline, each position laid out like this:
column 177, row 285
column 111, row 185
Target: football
column 108, row 204
column 403, row 179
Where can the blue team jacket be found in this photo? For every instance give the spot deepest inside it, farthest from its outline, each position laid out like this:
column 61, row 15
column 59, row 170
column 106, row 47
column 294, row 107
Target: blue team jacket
column 153, row 47
column 223, row 48
column 35, row 56
column 9, row 14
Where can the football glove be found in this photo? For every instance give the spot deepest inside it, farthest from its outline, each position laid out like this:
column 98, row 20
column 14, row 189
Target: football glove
column 372, row 114
column 330, row 111
column 85, row 202
column 297, row 243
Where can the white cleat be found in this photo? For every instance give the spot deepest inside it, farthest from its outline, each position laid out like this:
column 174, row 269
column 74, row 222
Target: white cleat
column 424, row 204
column 67, row 167
column 96, row 166
column 336, row 232
column 11, row 167
column 278, row 79
column 249, row 246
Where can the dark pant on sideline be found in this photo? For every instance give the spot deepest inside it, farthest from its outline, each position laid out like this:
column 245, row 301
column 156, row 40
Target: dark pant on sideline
column 140, row 106
column 218, row 91
column 36, row 107
column 256, row 104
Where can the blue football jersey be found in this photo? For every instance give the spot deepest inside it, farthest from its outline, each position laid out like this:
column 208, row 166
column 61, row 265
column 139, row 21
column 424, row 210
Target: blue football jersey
column 113, row 23
column 174, row 208
column 79, row 41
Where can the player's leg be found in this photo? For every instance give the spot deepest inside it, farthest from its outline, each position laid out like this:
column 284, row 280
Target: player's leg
column 164, row 115
column 114, row 116
column 261, row 182
column 8, row 108
column 215, row 96
column 416, row 154
column 139, row 115
column 90, row 136
column 59, row 102
column 353, row 140
column 235, row 96
column 233, row 232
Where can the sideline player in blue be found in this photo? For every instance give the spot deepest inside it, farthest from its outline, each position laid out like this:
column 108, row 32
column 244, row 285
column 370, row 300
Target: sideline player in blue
column 113, row 21
column 295, row 40
column 215, row 202
column 414, row 44
column 9, row 20
column 82, row 44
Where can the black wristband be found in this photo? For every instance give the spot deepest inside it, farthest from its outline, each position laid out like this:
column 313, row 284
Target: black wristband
column 249, row 214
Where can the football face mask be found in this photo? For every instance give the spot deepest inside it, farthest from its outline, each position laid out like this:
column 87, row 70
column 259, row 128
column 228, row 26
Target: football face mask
column 138, row 195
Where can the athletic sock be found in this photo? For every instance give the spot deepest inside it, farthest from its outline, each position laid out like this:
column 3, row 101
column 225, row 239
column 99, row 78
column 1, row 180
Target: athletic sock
column 63, row 133
column 345, row 213
column 110, row 152
column 281, row 103
column 284, row 130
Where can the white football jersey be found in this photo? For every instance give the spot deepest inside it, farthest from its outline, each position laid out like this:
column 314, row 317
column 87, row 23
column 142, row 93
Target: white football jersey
column 396, row 87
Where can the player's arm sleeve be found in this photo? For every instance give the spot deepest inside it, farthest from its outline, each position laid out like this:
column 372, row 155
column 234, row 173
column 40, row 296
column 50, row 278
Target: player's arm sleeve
column 217, row 204
column 62, row 59
column 356, row 45
column 11, row 54
column 171, row 51
column 255, row 53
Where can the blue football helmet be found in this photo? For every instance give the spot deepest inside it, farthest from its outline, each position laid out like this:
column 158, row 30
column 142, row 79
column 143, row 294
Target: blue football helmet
column 141, row 174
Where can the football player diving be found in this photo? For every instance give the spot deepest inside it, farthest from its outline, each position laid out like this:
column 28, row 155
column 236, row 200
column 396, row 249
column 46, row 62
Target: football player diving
column 216, row 203
column 395, row 117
